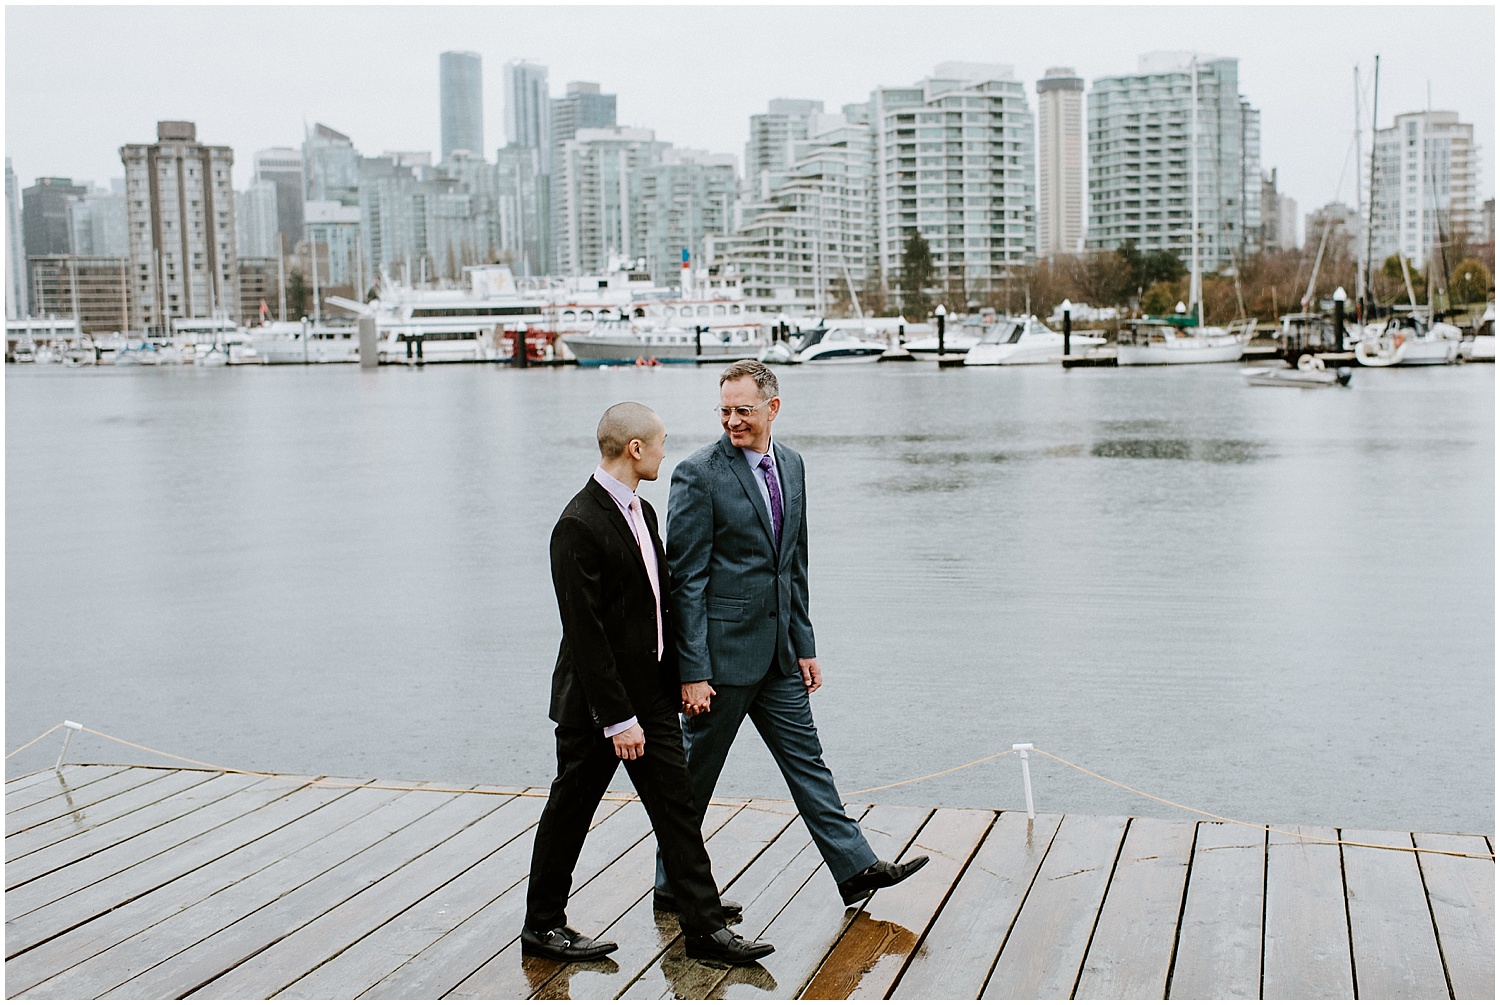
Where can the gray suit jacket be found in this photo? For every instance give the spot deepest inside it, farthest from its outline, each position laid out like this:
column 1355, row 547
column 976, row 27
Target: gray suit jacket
column 740, row 604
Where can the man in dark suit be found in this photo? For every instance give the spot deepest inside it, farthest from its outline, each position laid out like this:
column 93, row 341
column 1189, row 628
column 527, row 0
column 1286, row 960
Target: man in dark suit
column 737, row 548
column 615, row 697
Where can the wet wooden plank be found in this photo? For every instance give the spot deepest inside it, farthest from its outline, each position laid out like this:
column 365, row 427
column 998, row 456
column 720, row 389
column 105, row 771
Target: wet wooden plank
column 98, row 956
column 88, row 821
column 878, row 943
column 486, row 823
column 1390, row 925
column 955, row 958
column 235, row 925
column 18, row 782
column 115, row 840
column 1219, row 942
column 1461, row 893
column 1307, row 926
column 651, row 960
column 174, row 849
column 1131, row 953
column 1045, row 950
column 82, row 800
column 815, row 917
column 49, row 783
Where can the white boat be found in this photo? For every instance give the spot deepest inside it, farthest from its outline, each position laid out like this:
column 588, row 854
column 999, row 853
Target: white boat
column 1480, row 346
column 838, row 345
column 1018, row 341
column 641, row 340
column 1408, row 340
column 1309, row 372
column 1152, row 341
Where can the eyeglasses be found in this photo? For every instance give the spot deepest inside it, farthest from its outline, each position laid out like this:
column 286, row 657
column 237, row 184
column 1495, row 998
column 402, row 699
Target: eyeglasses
column 743, row 411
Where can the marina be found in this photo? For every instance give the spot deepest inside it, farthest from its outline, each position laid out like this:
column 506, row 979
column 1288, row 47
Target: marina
column 128, row 881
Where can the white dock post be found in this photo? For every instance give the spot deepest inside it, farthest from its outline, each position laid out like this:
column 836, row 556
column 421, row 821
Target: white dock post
column 71, row 727
column 1025, row 749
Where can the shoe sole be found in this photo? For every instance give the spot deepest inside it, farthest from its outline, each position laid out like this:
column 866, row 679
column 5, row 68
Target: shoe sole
column 748, row 958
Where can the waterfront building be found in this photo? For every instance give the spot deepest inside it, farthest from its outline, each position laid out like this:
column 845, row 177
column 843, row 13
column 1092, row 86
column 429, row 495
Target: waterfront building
column 582, row 106
column 807, row 248
column 333, row 237
column 523, row 207
column 591, row 197
column 461, row 83
column 468, row 215
column 415, row 221
column 16, row 294
column 46, row 229
column 92, row 289
column 1346, row 232
column 955, row 161
column 528, row 108
column 773, row 133
column 1139, row 160
column 282, row 167
column 1425, row 185
column 332, row 166
column 1278, row 217
column 256, row 232
column 180, row 205
column 1059, row 156
column 677, row 201
column 261, row 282
column 97, row 222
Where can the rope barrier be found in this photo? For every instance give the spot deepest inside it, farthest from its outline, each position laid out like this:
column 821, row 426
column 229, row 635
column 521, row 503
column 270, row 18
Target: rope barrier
column 935, row 774
column 23, row 746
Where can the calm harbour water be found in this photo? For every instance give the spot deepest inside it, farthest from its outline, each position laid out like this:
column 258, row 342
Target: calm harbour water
column 1274, row 604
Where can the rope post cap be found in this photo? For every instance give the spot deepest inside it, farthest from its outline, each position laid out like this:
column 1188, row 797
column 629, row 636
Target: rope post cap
column 70, row 724
column 1020, row 746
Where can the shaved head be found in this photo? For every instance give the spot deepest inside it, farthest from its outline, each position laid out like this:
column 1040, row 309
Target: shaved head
column 629, row 420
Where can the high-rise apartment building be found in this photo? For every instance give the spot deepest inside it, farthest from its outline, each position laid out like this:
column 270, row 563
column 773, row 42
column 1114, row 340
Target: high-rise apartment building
column 1059, row 160
column 461, row 83
column 46, row 229
column 1140, row 183
column 255, row 229
column 1425, row 185
column 416, row 221
column 98, row 224
column 523, row 208
column 528, row 108
column 773, row 134
column 955, row 161
column 677, row 201
column 332, row 166
column 591, row 197
column 282, row 167
column 582, row 106
column 16, row 298
column 180, row 202
column 807, row 248
column 333, row 238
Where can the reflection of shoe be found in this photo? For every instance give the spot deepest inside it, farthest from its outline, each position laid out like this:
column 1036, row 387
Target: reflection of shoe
column 881, row 874
column 727, row 947
column 565, row 944
column 666, row 902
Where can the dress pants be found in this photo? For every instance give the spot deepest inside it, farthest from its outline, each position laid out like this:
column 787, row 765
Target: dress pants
column 779, row 707
column 586, row 762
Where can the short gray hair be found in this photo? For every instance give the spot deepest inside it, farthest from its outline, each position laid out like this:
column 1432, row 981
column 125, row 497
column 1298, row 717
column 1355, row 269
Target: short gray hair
column 764, row 377
column 629, row 420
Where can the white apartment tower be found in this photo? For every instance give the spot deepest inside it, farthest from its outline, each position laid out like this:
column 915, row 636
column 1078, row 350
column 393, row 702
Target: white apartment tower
column 1140, row 185
column 591, row 196
column 955, row 160
column 773, row 134
column 1059, row 158
column 180, row 205
column 1425, row 168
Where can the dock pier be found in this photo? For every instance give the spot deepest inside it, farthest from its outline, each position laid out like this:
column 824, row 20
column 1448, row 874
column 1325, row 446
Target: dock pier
column 153, row 882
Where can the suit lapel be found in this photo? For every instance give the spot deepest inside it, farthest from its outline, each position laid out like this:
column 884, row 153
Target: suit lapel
column 616, row 519
column 741, row 468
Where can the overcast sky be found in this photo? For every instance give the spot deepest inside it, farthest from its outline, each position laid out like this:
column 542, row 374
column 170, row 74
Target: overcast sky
column 81, row 81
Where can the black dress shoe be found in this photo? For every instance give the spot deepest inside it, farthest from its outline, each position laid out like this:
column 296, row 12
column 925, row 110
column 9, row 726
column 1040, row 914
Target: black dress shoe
column 565, row 944
column 881, row 874
column 667, row 903
column 727, row 947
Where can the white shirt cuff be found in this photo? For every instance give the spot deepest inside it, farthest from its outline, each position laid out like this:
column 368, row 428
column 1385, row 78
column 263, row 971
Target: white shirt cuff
column 619, row 727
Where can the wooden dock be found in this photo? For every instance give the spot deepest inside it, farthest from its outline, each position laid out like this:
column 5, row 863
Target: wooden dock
column 142, row 882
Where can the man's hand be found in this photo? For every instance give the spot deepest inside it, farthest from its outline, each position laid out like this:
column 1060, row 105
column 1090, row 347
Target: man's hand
column 812, row 674
column 630, row 744
column 696, row 697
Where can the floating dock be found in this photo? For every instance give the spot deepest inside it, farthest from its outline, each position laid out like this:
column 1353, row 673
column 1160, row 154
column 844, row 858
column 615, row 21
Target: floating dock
column 143, row 882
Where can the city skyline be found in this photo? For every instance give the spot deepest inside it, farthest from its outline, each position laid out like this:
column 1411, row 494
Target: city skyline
column 372, row 73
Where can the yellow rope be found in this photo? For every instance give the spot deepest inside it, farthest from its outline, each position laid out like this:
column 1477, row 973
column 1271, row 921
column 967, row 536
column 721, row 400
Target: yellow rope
column 1260, row 827
column 23, row 746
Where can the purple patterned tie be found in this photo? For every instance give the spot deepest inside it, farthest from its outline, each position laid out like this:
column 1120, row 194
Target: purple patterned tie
column 774, row 491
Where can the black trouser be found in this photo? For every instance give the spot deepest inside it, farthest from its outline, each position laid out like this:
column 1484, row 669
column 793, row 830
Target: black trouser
column 586, row 762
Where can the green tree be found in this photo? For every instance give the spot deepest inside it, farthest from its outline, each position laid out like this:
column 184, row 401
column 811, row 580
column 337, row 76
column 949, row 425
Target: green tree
column 297, row 295
column 1161, row 298
column 916, row 277
column 1471, row 282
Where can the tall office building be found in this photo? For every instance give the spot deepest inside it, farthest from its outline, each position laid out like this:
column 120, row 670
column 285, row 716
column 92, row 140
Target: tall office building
column 332, row 166
column 255, row 229
column 677, row 201
column 98, row 224
column 45, row 226
column 180, row 201
column 1140, row 186
column 522, row 210
column 528, row 109
column 1425, row 185
column 591, row 197
column 417, row 222
column 282, row 167
column 954, row 160
column 16, row 304
column 461, row 82
column 773, row 133
column 1059, row 159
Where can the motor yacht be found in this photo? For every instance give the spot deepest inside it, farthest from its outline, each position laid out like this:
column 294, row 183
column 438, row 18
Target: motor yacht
column 628, row 340
column 1017, row 341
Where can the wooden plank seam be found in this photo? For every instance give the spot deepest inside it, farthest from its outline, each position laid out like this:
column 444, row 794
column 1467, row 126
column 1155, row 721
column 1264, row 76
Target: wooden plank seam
column 1437, row 936
column 1020, row 906
column 1089, row 944
column 1187, row 883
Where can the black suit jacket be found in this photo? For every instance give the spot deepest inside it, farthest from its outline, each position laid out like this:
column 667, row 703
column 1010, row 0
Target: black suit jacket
column 607, row 667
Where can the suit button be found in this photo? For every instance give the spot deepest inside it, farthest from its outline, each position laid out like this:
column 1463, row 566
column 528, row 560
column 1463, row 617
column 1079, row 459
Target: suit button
column 771, row 615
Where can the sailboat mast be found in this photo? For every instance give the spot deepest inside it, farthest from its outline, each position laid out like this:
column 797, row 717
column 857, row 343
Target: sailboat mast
column 1195, row 295
column 1370, row 218
column 1359, row 206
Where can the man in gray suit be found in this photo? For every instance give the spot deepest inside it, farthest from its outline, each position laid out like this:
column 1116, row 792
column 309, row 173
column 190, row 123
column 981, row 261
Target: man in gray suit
column 737, row 554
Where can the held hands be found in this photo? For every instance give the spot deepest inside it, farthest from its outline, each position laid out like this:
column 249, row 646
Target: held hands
column 696, row 697
column 812, row 673
column 630, row 744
